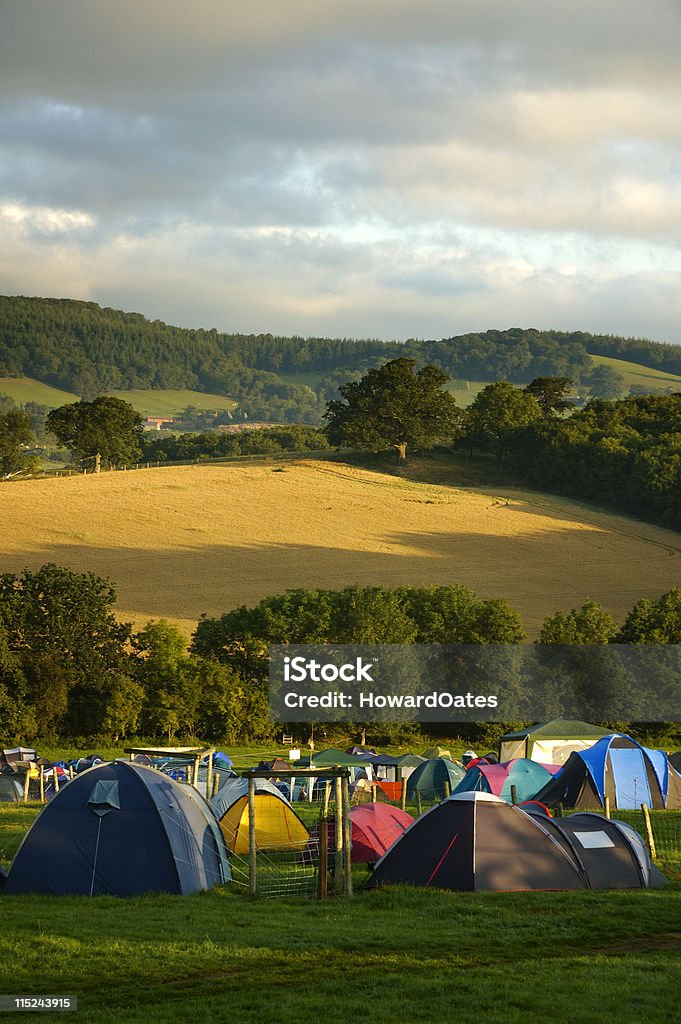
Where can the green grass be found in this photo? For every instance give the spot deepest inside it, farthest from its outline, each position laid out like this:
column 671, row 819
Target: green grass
column 636, row 373
column 23, row 389
column 170, row 403
column 382, row 957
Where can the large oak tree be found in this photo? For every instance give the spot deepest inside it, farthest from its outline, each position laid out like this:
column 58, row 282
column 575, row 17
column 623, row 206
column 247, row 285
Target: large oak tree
column 395, row 406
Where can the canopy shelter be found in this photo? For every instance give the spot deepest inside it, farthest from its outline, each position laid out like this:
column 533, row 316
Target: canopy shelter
column 520, row 777
column 277, row 826
column 550, row 742
column 17, row 756
column 431, row 778
column 121, row 829
column 619, row 768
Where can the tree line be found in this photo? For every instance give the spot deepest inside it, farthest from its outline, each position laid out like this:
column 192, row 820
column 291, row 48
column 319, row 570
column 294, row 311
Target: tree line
column 84, row 348
column 69, row 668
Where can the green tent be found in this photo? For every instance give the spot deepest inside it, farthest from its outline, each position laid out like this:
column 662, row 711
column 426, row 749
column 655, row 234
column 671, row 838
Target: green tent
column 333, row 758
column 550, row 742
column 429, row 779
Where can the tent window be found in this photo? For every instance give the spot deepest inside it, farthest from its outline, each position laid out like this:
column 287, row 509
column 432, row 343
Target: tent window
column 594, row 840
column 104, row 796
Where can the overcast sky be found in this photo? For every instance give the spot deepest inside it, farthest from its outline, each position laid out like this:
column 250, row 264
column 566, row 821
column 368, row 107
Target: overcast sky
column 366, row 168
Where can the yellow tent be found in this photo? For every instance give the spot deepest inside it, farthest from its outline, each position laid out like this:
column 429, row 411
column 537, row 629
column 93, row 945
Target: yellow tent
column 277, row 826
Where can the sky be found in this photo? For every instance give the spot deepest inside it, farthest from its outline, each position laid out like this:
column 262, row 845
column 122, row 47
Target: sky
column 349, row 168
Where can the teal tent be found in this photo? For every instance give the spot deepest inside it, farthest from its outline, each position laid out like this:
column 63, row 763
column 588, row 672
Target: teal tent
column 428, row 780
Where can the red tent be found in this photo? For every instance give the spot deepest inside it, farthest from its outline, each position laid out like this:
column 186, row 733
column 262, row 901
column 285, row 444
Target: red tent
column 375, row 827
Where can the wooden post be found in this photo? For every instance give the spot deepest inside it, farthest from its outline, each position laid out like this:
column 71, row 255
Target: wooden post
column 72, row 772
column 27, row 782
column 403, row 795
column 195, row 773
column 252, row 851
column 649, row 831
column 448, row 790
column 419, row 805
column 209, row 776
column 323, row 857
column 374, row 790
column 338, row 866
column 514, row 795
column 216, row 784
column 55, row 777
column 327, row 797
column 42, row 784
column 347, row 835
column 606, row 806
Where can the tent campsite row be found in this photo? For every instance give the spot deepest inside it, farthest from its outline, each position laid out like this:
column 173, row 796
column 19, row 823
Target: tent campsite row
column 109, row 806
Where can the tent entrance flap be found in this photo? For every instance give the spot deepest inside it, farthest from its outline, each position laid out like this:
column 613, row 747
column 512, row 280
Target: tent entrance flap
column 104, row 797
column 631, row 779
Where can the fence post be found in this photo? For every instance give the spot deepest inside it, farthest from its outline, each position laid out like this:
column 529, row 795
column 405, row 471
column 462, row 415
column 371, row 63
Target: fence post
column 514, row 795
column 403, row 795
column 27, row 782
column 327, row 797
column 323, row 857
column 419, row 805
column 55, row 778
column 448, row 790
column 606, row 806
column 347, row 835
column 42, row 784
column 338, row 865
column 649, row 831
column 209, row 776
column 251, row 838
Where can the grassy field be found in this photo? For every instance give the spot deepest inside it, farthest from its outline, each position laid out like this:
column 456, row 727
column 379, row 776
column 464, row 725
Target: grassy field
column 380, row 958
column 635, row 373
column 170, row 403
column 184, row 540
column 23, row 389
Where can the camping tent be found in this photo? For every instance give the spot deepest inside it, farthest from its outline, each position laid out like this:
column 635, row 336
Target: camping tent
column 121, row 829
column 526, row 776
column 619, row 768
column 277, row 826
column 550, row 742
column 428, row 780
column 11, row 790
column 610, row 853
column 375, row 827
column 476, row 841
column 436, row 751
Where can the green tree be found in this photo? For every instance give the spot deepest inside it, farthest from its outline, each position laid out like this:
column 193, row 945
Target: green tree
column 654, row 622
column 551, row 395
column 16, row 433
column 105, row 429
column 497, row 411
column 395, row 406
column 590, row 624
column 73, row 650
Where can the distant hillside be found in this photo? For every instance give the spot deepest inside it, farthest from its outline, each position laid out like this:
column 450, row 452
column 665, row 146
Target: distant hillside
column 84, row 349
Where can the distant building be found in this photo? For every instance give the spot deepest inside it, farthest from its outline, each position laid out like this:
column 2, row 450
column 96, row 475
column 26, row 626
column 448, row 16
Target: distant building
column 156, row 422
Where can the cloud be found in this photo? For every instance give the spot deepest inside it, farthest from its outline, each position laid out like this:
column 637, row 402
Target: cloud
column 367, row 167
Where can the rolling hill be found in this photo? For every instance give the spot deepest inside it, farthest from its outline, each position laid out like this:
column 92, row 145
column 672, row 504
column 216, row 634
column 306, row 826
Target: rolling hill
column 180, row 541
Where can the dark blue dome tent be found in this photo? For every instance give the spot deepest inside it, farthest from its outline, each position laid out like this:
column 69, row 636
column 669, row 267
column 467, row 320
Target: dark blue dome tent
column 121, row 829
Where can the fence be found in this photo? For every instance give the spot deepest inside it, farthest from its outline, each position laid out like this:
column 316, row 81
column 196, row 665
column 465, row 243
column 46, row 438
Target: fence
column 290, row 861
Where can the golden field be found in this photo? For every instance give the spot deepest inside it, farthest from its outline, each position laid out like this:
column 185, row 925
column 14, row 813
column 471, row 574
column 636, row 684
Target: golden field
column 180, row 541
